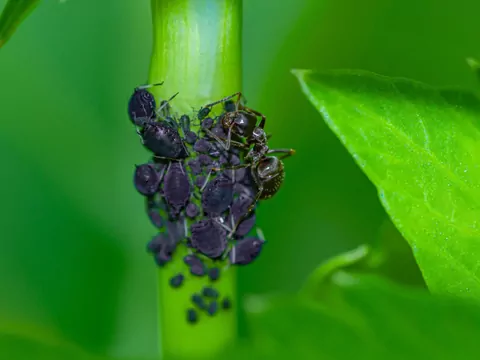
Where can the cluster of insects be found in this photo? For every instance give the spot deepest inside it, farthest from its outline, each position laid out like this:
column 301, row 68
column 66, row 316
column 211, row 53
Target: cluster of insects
column 202, row 187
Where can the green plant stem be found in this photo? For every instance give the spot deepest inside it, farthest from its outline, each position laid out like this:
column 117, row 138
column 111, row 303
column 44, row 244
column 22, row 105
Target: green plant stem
column 197, row 52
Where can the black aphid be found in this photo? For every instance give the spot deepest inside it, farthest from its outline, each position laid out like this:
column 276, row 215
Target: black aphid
column 176, row 281
column 210, row 292
column 214, row 274
column 209, row 238
column 202, row 146
column 176, row 186
column 226, row 304
column 245, row 226
column 200, row 181
column 212, row 308
column 163, row 140
column 205, row 159
column 192, row 210
column 195, row 166
column 197, row 299
column 217, row 195
column 141, row 106
column 146, row 179
column 196, row 265
column 153, row 207
column 192, row 316
column 229, row 106
column 157, row 242
column 246, row 251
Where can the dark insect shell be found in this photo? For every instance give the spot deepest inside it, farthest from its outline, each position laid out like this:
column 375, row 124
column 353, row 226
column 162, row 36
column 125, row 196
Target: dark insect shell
column 246, row 251
column 209, row 238
column 163, row 140
column 271, row 173
column 146, row 179
column 217, row 195
column 141, row 107
column 176, row 186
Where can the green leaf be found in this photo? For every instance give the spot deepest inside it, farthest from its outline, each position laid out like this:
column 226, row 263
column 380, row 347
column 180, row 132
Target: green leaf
column 376, row 320
column 13, row 14
column 420, row 147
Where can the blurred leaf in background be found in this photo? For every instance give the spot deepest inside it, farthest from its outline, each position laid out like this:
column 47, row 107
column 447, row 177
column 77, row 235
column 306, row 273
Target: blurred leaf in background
column 419, row 146
column 12, row 15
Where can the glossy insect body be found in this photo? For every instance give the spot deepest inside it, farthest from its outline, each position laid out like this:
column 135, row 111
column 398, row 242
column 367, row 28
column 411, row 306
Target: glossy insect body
column 217, row 196
column 209, row 238
column 246, row 251
column 176, row 186
column 270, row 174
column 163, row 140
column 147, row 179
column 142, row 105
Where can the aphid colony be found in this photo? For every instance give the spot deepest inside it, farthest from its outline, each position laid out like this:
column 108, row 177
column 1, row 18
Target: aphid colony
column 201, row 188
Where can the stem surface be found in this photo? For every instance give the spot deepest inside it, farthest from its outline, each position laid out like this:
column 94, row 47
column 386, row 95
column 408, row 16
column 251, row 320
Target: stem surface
column 196, row 52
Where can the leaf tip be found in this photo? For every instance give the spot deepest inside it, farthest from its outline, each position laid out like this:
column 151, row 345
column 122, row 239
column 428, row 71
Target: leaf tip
column 473, row 63
column 300, row 74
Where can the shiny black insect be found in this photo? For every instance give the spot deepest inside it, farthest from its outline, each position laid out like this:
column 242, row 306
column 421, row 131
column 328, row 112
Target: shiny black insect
column 226, row 304
column 142, row 105
column 209, row 238
column 177, row 280
column 162, row 247
column 266, row 170
column 196, row 265
column 153, row 208
column 160, row 136
column 147, row 179
column 176, row 186
column 212, row 308
column 242, row 122
column 214, row 274
column 192, row 316
column 245, row 251
column 210, row 292
column 217, row 195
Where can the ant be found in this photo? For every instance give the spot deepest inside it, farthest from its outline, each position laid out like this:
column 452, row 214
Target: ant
column 241, row 121
column 267, row 170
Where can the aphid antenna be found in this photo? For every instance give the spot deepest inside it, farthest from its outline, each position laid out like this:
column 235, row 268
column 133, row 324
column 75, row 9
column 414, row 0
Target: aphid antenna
column 165, row 103
column 147, row 86
column 260, row 235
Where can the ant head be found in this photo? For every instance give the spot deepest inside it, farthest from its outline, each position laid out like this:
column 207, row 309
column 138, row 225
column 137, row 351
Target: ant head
column 269, row 167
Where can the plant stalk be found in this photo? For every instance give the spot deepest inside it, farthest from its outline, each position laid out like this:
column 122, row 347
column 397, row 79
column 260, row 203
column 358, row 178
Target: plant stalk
column 196, row 52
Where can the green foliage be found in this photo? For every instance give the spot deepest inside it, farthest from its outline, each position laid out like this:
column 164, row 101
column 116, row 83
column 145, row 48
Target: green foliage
column 13, row 14
column 419, row 146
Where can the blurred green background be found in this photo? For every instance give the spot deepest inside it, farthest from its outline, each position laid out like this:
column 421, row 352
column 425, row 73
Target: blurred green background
column 73, row 231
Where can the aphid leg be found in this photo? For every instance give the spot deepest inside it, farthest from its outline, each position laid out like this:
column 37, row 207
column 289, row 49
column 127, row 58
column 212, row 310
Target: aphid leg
column 206, row 180
column 287, row 152
column 140, row 135
column 147, row 86
column 260, row 235
column 239, row 94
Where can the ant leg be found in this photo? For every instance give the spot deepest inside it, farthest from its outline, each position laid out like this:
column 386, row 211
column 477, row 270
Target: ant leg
column 249, row 210
column 147, row 86
column 255, row 112
column 236, row 167
column 239, row 94
column 210, row 133
column 289, row 152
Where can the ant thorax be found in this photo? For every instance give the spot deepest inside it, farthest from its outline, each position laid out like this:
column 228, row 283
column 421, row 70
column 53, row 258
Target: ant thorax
column 257, row 153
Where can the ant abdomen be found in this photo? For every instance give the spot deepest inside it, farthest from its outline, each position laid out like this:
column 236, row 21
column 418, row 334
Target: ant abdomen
column 270, row 173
